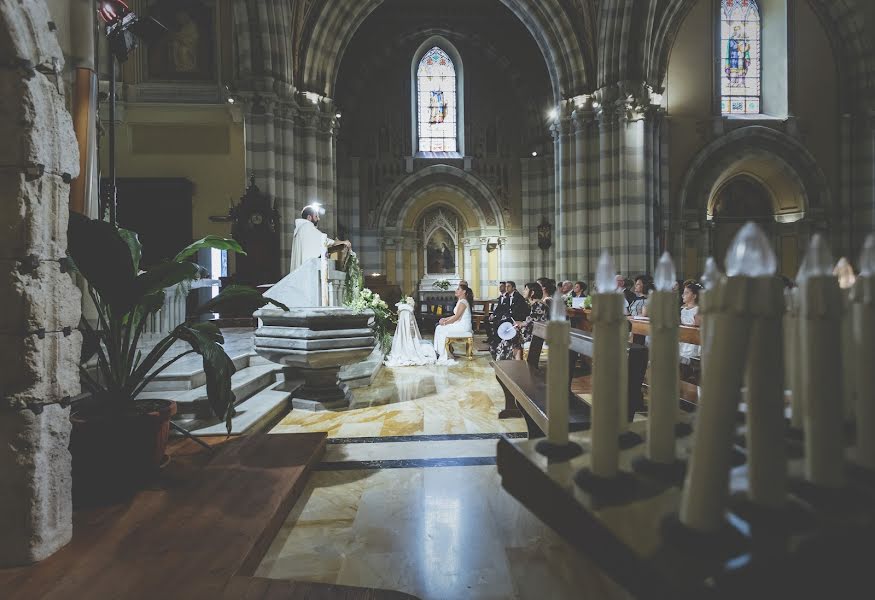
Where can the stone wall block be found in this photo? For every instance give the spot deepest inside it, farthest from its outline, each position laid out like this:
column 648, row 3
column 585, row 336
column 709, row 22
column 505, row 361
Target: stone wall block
column 25, row 32
column 33, row 216
column 38, row 129
column 36, row 508
column 44, row 298
column 39, row 370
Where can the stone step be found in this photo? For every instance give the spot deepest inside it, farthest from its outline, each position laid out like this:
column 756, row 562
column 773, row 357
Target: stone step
column 253, row 415
column 244, row 383
column 188, row 373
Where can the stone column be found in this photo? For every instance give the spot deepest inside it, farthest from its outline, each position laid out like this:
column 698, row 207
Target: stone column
column 484, row 267
column 400, row 273
column 563, row 208
column 38, row 370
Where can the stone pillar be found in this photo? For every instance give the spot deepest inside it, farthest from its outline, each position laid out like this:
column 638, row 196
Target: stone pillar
column 563, row 208
column 484, row 267
column 401, row 274
column 41, row 156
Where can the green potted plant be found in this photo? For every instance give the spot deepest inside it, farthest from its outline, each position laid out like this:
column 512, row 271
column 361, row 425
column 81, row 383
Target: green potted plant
column 118, row 441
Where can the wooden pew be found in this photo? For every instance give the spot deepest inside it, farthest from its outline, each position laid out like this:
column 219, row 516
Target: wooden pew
column 686, row 334
column 525, row 387
column 480, row 312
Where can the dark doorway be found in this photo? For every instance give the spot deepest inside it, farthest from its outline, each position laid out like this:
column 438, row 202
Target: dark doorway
column 159, row 210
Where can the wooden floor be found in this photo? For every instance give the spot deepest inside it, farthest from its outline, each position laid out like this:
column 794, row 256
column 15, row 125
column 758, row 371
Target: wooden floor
column 200, row 532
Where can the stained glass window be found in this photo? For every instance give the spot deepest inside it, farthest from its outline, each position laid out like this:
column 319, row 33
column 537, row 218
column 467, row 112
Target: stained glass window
column 437, row 108
column 740, row 57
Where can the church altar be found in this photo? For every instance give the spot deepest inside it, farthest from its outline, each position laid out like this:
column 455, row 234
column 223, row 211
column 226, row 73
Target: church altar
column 326, row 348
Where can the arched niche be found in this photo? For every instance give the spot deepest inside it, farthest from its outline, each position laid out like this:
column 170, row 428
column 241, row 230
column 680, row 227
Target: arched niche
column 440, row 233
column 779, row 174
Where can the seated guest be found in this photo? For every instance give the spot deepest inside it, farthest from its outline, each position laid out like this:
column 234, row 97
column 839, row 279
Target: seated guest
column 456, row 325
column 513, row 348
column 512, row 309
column 638, row 304
column 579, row 290
column 690, row 316
column 565, row 288
column 519, row 307
column 628, row 296
column 493, row 319
column 549, row 287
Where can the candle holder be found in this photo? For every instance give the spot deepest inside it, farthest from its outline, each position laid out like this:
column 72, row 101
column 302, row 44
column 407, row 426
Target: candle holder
column 751, row 267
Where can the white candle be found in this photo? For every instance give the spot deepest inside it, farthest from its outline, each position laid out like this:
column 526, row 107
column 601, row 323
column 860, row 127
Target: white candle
column 792, row 357
column 863, row 352
column 767, row 458
column 608, row 386
column 846, row 277
column 821, row 307
column 558, row 340
column 727, row 311
column 662, row 412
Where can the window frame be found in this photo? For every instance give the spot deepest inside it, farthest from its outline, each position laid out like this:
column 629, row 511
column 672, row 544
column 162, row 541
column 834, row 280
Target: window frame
column 719, row 73
column 451, row 51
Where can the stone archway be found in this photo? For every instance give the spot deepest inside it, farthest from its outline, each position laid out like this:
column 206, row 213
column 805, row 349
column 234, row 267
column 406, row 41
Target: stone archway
column 546, row 20
column 36, row 165
column 795, row 186
column 459, row 193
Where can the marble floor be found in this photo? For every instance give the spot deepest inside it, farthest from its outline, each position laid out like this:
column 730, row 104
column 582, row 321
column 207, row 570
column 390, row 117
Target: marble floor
column 408, row 498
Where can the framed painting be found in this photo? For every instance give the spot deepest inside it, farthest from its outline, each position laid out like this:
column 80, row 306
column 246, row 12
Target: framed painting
column 187, row 52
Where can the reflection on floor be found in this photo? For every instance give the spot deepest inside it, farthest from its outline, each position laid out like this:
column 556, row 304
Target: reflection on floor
column 462, row 398
column 408, row 498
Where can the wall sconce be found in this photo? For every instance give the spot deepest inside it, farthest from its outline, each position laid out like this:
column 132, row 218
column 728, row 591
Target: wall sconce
column 492, row 244
column 545, row 235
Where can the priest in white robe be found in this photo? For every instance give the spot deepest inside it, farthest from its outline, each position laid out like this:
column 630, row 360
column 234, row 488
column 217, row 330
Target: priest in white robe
column 308, row 242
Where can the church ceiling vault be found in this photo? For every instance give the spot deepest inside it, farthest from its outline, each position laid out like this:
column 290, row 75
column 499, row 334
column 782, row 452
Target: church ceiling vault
column 586, row 44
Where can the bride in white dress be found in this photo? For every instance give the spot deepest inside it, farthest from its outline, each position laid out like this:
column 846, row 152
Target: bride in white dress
column 408, row 347
column 456, row 325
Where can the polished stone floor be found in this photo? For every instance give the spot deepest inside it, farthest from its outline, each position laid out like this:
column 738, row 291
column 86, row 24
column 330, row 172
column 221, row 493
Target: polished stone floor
column 408, row 498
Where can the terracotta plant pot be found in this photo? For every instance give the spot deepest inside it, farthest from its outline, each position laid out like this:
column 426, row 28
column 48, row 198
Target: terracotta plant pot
column 115, row 453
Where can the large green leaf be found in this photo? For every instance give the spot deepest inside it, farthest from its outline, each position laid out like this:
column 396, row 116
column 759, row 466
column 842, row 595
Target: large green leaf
column 218, row 369
column 134, row 246
column 211, row 241
column 165, row 275
column 238, row 299
column 211, row 330
column 103, row 258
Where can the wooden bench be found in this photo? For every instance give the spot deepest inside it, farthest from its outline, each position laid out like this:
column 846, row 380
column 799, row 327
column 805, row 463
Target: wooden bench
column 525, row 387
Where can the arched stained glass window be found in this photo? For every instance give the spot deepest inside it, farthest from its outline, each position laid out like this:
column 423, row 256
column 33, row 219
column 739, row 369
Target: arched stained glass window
column 437, row 116
column 740, row 67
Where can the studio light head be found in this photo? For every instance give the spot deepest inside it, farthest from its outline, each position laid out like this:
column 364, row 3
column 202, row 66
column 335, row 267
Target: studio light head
column 124, row 29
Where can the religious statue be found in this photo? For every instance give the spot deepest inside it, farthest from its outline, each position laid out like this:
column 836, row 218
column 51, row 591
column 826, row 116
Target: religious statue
column 184, row 44
column 437, row 107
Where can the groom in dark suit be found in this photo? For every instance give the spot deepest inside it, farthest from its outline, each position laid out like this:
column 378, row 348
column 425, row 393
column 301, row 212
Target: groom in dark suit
column 510, row 306
column 519, row 307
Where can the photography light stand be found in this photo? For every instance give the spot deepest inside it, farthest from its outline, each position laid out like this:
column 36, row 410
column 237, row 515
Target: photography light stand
column 124, row 30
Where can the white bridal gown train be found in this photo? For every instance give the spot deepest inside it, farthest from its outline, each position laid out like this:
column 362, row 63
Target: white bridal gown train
column 460, row 328
column 408, row 347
